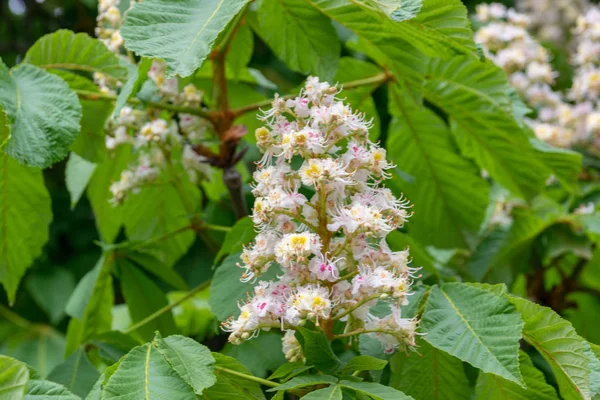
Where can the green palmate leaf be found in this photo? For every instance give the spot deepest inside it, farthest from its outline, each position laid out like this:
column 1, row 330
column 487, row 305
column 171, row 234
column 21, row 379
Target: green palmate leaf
column 13, row 378
column 67, row 50
column 300, row 36
column 351, row 69
column 305, row 381
column 475, row 95
column 39, row 389
column 182, row 33
column 191, row 360
column 556, row 340
column 145, row 374
column 160, row 211
column 25, row 216
column 136, row 77
column 364, row 363
column 143, row 297
column 333, row 392
column 434, row 376
column 375, row 391
column 565, row 164
column 475, row 326
column 317, row 351
column 78, row 173
column 108, row 217
column 449, row 194
column 490, row 387
column 260, row 355
column 231, row 387
column 33, row 100
column 77, row 373
column 241, row 234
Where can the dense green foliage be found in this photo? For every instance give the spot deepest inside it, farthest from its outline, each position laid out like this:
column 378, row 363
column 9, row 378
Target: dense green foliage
column 507, row 309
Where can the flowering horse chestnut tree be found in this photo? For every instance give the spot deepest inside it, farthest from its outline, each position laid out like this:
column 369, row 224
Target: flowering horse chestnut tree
column 320, row 199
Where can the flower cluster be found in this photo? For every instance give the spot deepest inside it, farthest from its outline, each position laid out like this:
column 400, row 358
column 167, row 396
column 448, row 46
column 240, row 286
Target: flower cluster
column 322, row 215
column 508, row 44
column 551, row 19
column 109, row 22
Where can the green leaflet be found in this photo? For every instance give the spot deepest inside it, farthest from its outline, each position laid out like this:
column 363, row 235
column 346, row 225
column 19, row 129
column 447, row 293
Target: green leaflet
column 475, row 326
column 490, row 387
column 33, row 100
column 182, row 33
column 77, row 176
column 231, row 387
column 559, row 344
column 447, row 190
column 25, row 215
column 376, row 391
column 435, row 376
column 300, row 36
column 79, row 52
column 145, row 373
column 333, row 392
column 13, row 378
column 77, row 373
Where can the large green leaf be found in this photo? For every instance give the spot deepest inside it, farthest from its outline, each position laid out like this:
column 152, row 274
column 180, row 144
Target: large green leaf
column 475, row 95
column 564, row 163
column 192, row 361
column 232, row 387
column 44, row 351
column 475, row 326
column 435, row 375
column 77, row 373
column 42, row 112
column 159, row 211
column 182, row 32
column 448, row 192
column 67, row 50
column 317, row 350
column 300, row 36
column 144, row 297
column 333, row 392
column 556, row 340
column 109, row 218
column 376, row 391
column 491, row 387
column 259, row 355
column 39, row 389
column 145, row 374
column 13, row 378
column 25, row 215
column 51, row 290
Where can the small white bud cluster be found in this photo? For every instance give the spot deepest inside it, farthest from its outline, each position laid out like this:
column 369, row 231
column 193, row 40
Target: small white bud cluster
column 109, row 22
column 322, row 216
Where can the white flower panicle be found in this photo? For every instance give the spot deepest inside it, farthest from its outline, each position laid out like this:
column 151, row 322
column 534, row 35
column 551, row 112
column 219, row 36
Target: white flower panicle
column 322, row 215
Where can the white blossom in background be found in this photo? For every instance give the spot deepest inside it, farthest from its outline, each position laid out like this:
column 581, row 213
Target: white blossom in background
column 552, row 20
column 322, row 214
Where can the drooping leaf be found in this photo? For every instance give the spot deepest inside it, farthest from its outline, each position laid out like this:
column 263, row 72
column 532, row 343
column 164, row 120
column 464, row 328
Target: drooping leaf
column 475, row 96
column 182, row 33
column 143, row 297
column 556, row 340
column 77, row 373
column 191, row 360
column 317, row 351
column 43, row 352
column 13, row 378
column 300, row 36
column 475, row 326
column 78, row 173
column 51, row 290
column 376, row 391
column 364, row 363
column 145, row 374
column 448, row 192
column 232, row 387
column 42, row 112
column 434, row 376
column 25, row 216
column 491, row 387
column 67, row 50
column 305, row 381
column 289, row 370
column 157, row 268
